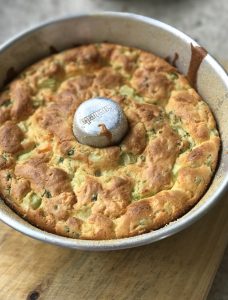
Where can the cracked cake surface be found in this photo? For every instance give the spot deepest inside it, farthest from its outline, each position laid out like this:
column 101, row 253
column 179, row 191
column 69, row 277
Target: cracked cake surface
column 157, row 173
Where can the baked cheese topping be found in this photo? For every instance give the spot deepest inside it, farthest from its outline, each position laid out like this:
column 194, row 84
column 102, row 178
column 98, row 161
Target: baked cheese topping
column 156, row 174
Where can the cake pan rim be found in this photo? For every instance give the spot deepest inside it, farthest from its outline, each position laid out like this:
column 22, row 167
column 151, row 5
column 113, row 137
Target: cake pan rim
column 129, row 242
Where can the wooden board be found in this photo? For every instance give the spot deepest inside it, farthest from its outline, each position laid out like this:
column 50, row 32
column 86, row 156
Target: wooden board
column 180, row 267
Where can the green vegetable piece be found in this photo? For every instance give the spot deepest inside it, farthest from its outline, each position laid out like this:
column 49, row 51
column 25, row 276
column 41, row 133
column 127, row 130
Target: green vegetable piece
column 142, row 222
column 8, row 176
column 138, row 99
column 47, row 194
column 8, row 189
column 159, row 119
column 4, row 156
column 208, row 161
column 174, row 118
column 70, row 152
column 135, row 196
column 142, row 157
column 125, row 90
column 214, row 131
column 97, row 173
column 35, row 201
column 6, row 103
column 127, row 158
column 94, row 197
column 84, row 213
column 66, row 229
column 37, row 103
column 61, row 159
column 49, row 83
column 198, row 180
column 173, row 76
column 76, row 235
column 151, row 132
column 23, row 126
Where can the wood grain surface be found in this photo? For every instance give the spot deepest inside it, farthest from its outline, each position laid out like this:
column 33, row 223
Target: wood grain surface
column 180, row 267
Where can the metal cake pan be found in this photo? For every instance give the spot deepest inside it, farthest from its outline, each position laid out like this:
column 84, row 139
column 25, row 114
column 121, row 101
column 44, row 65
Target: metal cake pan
column 131, row 30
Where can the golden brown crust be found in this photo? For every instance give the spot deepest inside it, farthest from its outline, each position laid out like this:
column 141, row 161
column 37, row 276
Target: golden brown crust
column 151, row 85
column 20, row 95
column 135, row 142
column 10, row 138
column 155, row 175
column 107, row 78
column 19, row 188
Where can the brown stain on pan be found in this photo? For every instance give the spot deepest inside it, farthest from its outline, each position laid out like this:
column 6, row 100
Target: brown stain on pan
column 53, row 50
column 10, row 75
column 104, row 131
column 197, row 55
column 174, row 61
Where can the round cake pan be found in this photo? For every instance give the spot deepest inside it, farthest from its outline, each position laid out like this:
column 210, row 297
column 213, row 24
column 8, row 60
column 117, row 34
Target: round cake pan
column 131, row 30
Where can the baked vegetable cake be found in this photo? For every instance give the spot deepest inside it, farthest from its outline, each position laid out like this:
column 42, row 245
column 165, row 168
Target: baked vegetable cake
column 153, row 176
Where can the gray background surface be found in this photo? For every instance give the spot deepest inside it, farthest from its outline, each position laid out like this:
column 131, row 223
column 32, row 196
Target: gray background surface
column 204, row 20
